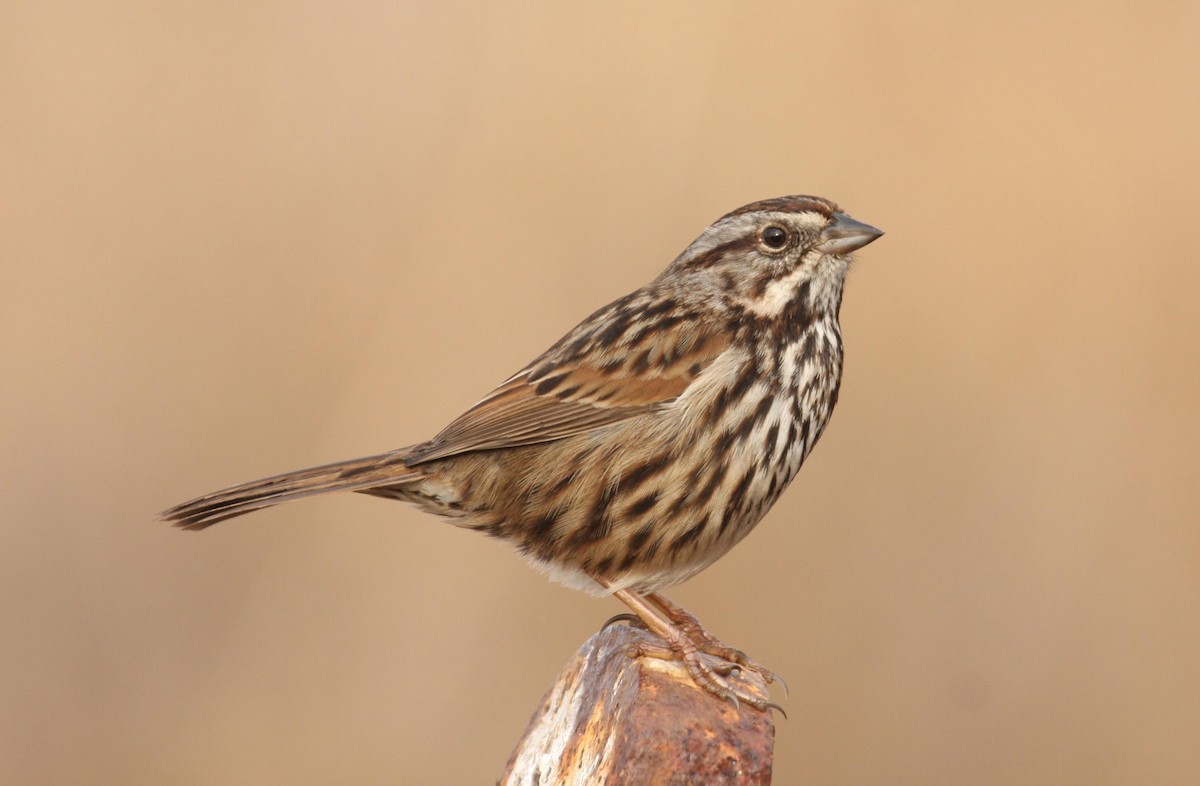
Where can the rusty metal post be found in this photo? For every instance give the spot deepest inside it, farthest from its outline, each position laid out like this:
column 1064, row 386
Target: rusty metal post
column 621, row 721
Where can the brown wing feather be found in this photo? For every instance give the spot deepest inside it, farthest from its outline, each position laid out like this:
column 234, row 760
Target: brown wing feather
column 583, row 383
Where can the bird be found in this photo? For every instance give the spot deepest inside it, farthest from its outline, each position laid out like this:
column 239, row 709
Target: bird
column 647, row 441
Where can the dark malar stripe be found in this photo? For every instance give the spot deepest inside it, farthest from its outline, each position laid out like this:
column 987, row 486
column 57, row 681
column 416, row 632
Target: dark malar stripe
column 796, row 319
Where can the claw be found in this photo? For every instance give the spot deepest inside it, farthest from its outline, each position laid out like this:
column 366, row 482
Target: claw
column 773, row 677
column 770, row 705
column 632, row 619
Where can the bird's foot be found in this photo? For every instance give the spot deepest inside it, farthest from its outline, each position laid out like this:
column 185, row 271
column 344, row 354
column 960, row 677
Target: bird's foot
column 710, row 672
column 711, row 664
column 710, row 644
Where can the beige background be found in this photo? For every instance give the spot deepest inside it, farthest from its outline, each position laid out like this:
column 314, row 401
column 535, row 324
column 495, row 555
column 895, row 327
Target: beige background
column 239, row 238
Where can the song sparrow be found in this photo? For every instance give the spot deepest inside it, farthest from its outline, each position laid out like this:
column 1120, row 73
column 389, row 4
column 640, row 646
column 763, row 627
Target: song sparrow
column 648, row 440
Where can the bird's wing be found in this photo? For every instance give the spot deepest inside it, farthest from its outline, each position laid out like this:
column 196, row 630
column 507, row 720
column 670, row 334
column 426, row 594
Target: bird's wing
column 589, row 379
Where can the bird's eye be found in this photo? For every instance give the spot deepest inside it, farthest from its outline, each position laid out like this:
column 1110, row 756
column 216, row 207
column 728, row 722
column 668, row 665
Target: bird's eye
column 774, row 238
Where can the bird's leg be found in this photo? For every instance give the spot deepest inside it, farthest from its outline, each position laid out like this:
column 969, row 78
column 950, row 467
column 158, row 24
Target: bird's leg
column 679, row 645
column 706, row 642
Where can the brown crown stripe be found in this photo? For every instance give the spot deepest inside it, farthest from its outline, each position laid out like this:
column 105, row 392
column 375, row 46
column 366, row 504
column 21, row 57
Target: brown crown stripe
column 788, row 204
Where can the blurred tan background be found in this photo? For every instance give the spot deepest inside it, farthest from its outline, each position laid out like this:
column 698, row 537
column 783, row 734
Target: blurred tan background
column 240, row 238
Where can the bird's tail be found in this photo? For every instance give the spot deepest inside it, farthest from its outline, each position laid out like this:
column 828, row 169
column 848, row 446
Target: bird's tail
column 372, row 472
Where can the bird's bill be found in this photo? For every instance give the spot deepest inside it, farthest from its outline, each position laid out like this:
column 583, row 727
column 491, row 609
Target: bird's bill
column 846, row 234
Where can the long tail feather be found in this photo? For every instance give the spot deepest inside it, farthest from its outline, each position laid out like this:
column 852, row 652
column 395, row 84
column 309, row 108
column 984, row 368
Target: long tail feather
column 386, row 469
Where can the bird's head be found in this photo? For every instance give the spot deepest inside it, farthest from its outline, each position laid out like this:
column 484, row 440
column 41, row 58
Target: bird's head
column 762, row 257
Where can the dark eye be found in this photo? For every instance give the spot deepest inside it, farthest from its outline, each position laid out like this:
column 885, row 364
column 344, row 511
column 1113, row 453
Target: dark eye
column 774, row 237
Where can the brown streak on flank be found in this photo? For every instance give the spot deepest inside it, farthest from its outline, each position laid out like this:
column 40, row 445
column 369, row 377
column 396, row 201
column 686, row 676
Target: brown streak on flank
column 542, row 530
column 681, row 502
column 726, row 520
column 805, row 431
column 763, row 409
column 739, row 492
column 563, row 483
column 633, row 479
column 718, row 475
column 598, row 523
column 639, row 538
column 681, row 542
column 773, row 486
column 725, row 442
column 772, row 439
column 733, row 394
column 642, row 505
column 809, row 349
